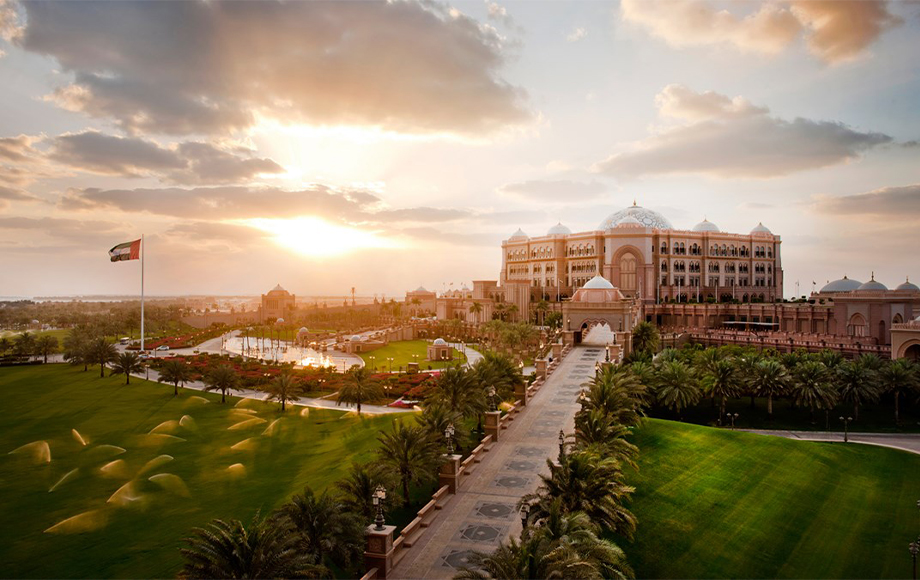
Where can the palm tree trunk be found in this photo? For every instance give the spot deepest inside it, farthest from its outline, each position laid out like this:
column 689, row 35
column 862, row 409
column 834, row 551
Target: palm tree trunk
column 752, row 401
column 101, row 370
column 223, row 396
column 722, row 410
column 176, row 389
column 770, row 406
column 405, row 486
column 897, row 419
column 856, row 411
column 282, row 404
column 127, row 378
column 811, row 409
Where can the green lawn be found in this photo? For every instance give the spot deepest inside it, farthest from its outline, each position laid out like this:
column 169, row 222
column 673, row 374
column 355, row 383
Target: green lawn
column 402, row 352
column 720, row 504
column 137, row 533
column 58, row 333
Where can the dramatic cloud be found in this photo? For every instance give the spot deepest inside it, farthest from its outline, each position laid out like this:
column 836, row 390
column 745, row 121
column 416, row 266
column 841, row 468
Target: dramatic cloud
column 902, row 202
column 188, row 163
column 835, row 31
column 733, row 138
column 401, row 66
column 554, row 191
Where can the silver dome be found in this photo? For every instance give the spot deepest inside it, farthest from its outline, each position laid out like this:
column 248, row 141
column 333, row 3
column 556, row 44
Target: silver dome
column 558, row 229
column 518, row 235
column 907, row 285
column 706, row 226
column 598, row 282
column 872, row 285
column 761, row 229
column 647, row 217
column 843, row 285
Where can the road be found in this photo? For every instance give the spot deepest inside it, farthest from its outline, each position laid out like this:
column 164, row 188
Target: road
column 904, row 441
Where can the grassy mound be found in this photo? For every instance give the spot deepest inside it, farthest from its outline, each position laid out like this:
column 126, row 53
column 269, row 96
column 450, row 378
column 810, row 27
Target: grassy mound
column 401, row 352
column 133, row 468
column 720, row 504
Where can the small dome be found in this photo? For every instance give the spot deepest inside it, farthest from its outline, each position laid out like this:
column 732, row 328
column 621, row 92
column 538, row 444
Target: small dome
column 843, row 285
column 598, row 282
column 518, row 235
column 279, row 321
column 646, row 217
column 907, row 285
column 439, row 342
column 707, row 226
column 278, row 288
column 558, row 229
column 355, row 338
column 629, row 222
column 761, row 229
column 873, row 285
column 421, row 289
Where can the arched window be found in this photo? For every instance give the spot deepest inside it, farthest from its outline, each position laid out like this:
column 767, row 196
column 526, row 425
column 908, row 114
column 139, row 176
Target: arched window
column 857, row 326
column 628, row 273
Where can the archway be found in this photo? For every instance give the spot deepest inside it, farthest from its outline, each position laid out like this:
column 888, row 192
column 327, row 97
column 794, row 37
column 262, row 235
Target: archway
column 628, row 273
column 882, row 335
column 596, row 332
column 912, row 352
column 857, row 326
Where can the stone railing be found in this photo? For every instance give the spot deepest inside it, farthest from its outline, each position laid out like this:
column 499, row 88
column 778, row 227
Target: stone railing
column 845, row 346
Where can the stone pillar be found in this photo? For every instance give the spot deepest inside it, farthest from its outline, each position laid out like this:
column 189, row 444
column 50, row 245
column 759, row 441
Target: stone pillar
column 449, row 472
column 379, row 550
column 614, row 353
column 520, row 392
column 557, row 351
column 493, row 424
column 541, row 368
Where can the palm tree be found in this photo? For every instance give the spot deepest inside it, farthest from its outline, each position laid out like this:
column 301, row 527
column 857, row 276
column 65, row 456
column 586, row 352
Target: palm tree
column 5, row 345
column 359, row 388
column 224, row 379
column 770, row 379
column 598, row 432
column 540, row 310
column 858, row 384
column 45, row 345
column 358, row 488
column 898, row 377
column 476, row 308
column 326, row 528
column 645, row 337
column 102, row 352
column 411, row 454
column 722, row 380
column 125, row 364
column 77, row 347
column 677, row 386
column 284, row 388
column 457, row 392
column 812, row 386
column 227, row 549
column 24, row 345
column 436, row 418
column 830, row 359
column 584, row 482
column 176, row 372
column 618, row 393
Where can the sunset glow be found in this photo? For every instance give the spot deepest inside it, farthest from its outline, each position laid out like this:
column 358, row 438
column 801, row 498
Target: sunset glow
column 314, row 237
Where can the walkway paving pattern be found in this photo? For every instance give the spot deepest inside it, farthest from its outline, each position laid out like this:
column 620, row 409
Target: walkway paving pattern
column 483, row 512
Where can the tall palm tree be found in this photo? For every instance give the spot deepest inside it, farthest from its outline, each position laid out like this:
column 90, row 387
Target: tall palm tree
column 224, row 379
column 858, row 384
column 5, row 345
column 358, row 488
column 435, row 419
column 411, row 454
column 706, row 359
column 456, row 391
column 722, row 380
column 598, row 432
column 830, row 359
column 585, row 482
column 101, row 352
column 24, row 345
column 77, row 347
column 617, row 392
column 176, row 372
column 812, row 386
column 327, row 530
column 46, row 345
column 359, row 387
column 476, row 308
column 677, row 386
column 645, row 337
column 899, row 377
column 125, row 364
column 284, row 388
column 540, row 311
column 228, row 549
column 771, row 380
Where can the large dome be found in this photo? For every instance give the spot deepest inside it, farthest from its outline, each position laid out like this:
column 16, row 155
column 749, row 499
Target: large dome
column 908, row 285
column 518, row 235
column 598, row 282
column 646, row 217
column 706, row 226
column 761, row 229
column 873, row 285
column 558, row 229
column 843, row 285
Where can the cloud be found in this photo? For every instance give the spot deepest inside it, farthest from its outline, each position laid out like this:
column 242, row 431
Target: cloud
column 902, row 202
column 732, row 138
column 16, row 149
column 185, row 163
column 84, row 233
column 559, row 190
column 400, row 66
column 576, row 34
column 418, row 214
column 215, row 231
column 8, row 194
column 834, row 31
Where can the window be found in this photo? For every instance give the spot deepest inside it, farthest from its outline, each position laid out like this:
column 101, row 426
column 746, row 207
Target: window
column 628, row 273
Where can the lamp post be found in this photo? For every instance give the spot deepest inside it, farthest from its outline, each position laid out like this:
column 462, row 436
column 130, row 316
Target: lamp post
column 607, row 351
column 449, row 434
column 732, row 417
column 380, row 494
column 390, row 360
column 525, row 511
column 561, row 446
column 492, row 406
column 846, row 428
column 914, row 549
column 373, row 362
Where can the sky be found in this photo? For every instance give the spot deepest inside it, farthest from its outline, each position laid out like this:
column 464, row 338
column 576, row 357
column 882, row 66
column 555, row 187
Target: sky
column 383, row 146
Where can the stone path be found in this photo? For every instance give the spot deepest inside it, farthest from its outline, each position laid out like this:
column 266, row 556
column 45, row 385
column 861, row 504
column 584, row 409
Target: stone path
column 483, row 513
column 904, row 441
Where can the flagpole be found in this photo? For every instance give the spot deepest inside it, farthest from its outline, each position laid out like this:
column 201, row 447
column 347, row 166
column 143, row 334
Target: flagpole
column 142, row 291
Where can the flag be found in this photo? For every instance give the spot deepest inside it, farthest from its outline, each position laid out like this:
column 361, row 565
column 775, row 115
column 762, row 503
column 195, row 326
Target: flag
column 126, row 251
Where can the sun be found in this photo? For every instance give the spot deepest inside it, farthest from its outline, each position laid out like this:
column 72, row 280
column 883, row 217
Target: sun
column 311, row 236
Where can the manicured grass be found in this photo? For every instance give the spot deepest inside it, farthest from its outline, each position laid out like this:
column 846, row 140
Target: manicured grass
column 142, row 537
column 720, row 504
column 402, row 352
column 58, row 333
column 873, row 418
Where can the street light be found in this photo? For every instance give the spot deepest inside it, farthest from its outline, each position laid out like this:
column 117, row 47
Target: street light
column 846, row 428
column 380, row 494
column 373, row 362
column 914, row 549
column 492, row 405
column 449, row 433
column 525, row 511
column 390, row 359
column 732, row 418
column 561, row 446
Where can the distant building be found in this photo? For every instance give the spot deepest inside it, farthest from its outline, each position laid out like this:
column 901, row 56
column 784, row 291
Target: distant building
column 420, row 301
column 278, row 303
column 439, row 350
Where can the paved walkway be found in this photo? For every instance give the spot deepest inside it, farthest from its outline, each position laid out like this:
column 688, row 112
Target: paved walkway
column 904, row 441
column 483, row 513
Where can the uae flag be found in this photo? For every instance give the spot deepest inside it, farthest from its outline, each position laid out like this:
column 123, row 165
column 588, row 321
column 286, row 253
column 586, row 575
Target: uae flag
column 126, row 251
